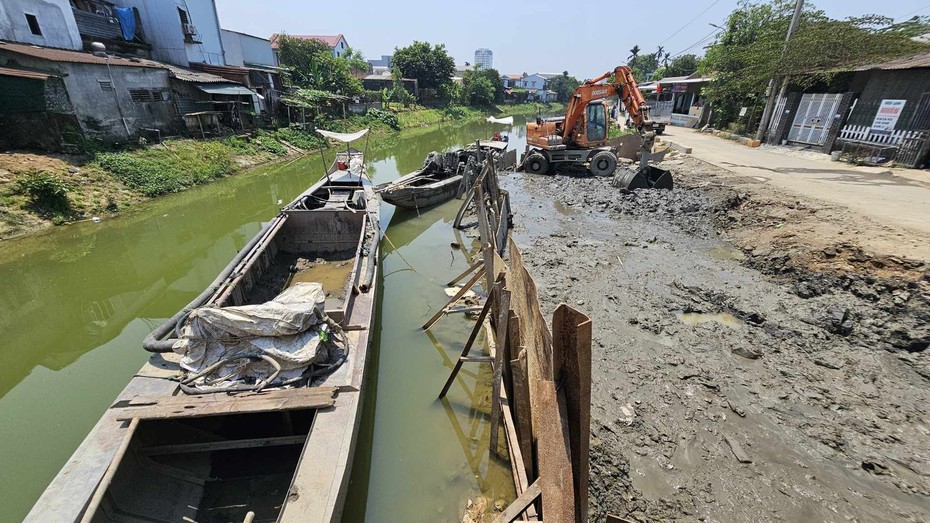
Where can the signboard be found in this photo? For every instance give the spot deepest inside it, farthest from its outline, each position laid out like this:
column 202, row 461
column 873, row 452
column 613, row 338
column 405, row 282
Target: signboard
column 679, row 88
column 887, row 115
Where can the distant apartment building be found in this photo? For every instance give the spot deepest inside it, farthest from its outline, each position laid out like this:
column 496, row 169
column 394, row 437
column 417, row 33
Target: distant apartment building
column 484, row 58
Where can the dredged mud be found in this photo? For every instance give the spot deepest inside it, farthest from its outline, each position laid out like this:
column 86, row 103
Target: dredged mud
column 751, row 361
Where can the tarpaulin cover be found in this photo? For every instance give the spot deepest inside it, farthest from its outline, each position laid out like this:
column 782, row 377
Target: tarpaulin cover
column 287, row 328
column 343, row 137
column 127, row 21
column 505, row 121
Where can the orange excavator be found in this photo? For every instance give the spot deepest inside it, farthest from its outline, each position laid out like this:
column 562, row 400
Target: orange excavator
column 580, row 137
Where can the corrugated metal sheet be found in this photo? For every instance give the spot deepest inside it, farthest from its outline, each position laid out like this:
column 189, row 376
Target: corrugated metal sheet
column 229, row 89
column 920, row 61
column 98, row 26
column 19, row 73
column 189, row 75
column 75, row 57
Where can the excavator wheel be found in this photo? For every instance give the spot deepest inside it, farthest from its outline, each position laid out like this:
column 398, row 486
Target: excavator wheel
column 536, row 163
column 603, row 163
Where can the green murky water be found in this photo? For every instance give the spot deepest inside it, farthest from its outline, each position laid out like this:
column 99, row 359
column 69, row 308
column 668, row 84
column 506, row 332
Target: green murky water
column 76, row 302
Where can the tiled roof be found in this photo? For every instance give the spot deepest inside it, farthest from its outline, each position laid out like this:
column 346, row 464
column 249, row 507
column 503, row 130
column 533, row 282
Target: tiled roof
column 330, row 40
column 6, row 71
column 75, row 57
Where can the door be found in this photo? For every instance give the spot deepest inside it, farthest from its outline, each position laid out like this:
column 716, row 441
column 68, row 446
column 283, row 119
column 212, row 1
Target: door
column 813, row 118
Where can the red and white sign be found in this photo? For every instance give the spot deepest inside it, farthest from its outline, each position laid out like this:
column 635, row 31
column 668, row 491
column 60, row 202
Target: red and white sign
column 887, row 116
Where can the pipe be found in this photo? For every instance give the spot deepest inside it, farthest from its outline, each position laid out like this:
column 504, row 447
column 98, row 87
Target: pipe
column 154, row 342
column 368, row 276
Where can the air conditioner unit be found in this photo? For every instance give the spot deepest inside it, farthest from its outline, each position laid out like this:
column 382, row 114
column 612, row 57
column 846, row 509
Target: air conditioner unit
column 190, row 30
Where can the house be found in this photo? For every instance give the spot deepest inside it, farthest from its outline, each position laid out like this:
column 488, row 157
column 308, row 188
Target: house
column 255, row 55
column 48, row 23
column 536, row 84
column 118, row 28
column 381, row 65
column 337, row 43
column 377, row 82
column 181, row 32
column 869, row 111
column 677, row 100
column 510, row 80
column 106, row 97
column 205, row 100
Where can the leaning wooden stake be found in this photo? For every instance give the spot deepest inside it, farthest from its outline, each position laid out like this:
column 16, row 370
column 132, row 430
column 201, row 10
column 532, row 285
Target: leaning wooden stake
column 519, row 505
column 501, row 355
column 471, row 340
column 465, row 288
column 468, row 271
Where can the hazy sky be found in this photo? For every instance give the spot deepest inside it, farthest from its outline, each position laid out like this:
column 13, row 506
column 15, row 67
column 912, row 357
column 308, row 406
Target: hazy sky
column 525, row 36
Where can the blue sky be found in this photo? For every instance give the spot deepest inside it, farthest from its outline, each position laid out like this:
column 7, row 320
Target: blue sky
column 525, row 36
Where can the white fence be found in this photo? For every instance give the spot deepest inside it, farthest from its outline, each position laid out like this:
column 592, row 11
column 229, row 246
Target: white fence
column 863, row 133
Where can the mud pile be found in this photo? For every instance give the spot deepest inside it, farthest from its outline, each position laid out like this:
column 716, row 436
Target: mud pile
column 752, row 361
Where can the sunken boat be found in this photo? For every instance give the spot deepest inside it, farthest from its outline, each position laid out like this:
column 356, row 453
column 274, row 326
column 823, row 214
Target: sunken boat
column 443, row 176
column 248, row 410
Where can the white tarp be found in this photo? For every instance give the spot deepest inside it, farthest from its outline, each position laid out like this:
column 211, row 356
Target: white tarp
column 343, row 137
column 286, row 328
column 505, row 121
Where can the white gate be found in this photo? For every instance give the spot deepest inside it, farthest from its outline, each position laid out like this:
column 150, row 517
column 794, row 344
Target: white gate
column 814, row 117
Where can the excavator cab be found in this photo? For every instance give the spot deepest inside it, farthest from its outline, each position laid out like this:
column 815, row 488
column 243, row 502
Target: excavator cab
column 595, row 124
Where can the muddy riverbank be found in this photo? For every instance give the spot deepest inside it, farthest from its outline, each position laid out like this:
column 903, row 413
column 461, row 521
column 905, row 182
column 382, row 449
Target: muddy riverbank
column 752, row 360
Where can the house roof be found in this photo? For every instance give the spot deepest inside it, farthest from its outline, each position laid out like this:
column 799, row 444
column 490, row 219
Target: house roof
column 330, row 40
column 244, row 34
column 189, row 75
column 20, row 73
column 546, row 75
column 911, row 62
column 512, row 76
column 74, row 57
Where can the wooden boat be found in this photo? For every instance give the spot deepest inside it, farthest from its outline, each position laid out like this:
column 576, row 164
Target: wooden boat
column 279, row 454
column 439, row 180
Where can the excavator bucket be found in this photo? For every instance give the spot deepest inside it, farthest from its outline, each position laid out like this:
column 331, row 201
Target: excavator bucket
column 649, row 177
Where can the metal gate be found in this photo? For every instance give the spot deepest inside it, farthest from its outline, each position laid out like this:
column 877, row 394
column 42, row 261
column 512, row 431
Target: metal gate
column 814, row 117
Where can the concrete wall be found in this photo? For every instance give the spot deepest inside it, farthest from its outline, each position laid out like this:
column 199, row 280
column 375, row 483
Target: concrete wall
column 162, row 26
column 243, row 50
column 55, row 18
column 96, row 108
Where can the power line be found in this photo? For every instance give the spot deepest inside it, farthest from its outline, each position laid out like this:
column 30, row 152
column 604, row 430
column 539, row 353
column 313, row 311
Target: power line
column 915, row 11
column 695, row 44
column 691, row 22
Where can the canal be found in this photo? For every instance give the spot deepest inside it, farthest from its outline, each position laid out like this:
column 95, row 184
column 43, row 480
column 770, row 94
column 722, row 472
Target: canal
column 76, row 301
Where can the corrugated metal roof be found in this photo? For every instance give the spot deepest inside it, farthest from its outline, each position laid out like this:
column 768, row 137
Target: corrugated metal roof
column 228, row 89
column 189, row 75
column 920, row 61
column 19, row 73
column 74, row 57
column 330, row 40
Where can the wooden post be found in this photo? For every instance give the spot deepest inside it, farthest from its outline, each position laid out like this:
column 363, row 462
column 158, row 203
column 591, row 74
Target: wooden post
column 519, row 505
column 474, row 279
column 500, row 357
column 110, row 472
column 465, row 350
column 462, row 276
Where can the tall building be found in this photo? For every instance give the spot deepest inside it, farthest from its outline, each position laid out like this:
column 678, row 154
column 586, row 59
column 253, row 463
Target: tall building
column 484, row 58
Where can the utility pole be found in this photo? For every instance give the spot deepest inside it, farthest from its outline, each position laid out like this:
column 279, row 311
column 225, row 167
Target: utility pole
column 771, row 91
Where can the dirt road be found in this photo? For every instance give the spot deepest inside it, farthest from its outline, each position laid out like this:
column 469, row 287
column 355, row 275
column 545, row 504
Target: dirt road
column 883, row 198
column 752, row 361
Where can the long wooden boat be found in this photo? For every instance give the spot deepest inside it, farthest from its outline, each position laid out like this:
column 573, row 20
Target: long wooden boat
column 279, row 454
column 439, row 180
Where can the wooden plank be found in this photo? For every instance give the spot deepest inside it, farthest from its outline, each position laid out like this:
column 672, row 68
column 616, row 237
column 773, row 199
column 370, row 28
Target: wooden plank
column 519, row 505
column 555, row 464
column 462, row 276
column 467, row 348
column 111, row 471
column 520, row 479
column 151, row 401
column 501, row 358
column 476, row 359
column 465, row 288
column 571, row 355
column 199, row 407
column 210, row 446
column 522, row 413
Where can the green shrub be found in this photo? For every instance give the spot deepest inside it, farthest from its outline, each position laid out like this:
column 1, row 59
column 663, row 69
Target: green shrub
column 45, row 190
column 268, row 142
column 298, row 137
column 455, row 112
column 386, row 117
column 159, row 171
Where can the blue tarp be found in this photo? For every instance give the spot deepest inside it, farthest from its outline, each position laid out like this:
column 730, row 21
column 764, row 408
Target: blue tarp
column 127, row 20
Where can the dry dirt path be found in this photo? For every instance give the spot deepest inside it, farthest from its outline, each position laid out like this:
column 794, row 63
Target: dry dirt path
column 893, row 202
column 751, row 361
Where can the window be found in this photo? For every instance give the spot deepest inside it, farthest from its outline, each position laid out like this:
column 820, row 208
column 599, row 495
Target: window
column 185, row 20
column 141, row 95
column 105, row 85
column 33, row 24
column 597, row 122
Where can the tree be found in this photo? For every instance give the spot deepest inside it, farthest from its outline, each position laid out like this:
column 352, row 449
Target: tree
column 563, row 86
column 313, row 67
column 683, row 65
column 634, row 52
column 749, row 52
column 481, row 87
column 356, row 60
column 642, row 65
column 430, row 65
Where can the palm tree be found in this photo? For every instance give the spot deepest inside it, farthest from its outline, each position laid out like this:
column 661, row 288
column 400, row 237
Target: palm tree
column 634, row 52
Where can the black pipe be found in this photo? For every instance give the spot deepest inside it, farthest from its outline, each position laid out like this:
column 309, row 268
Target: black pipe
column 154, row 342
